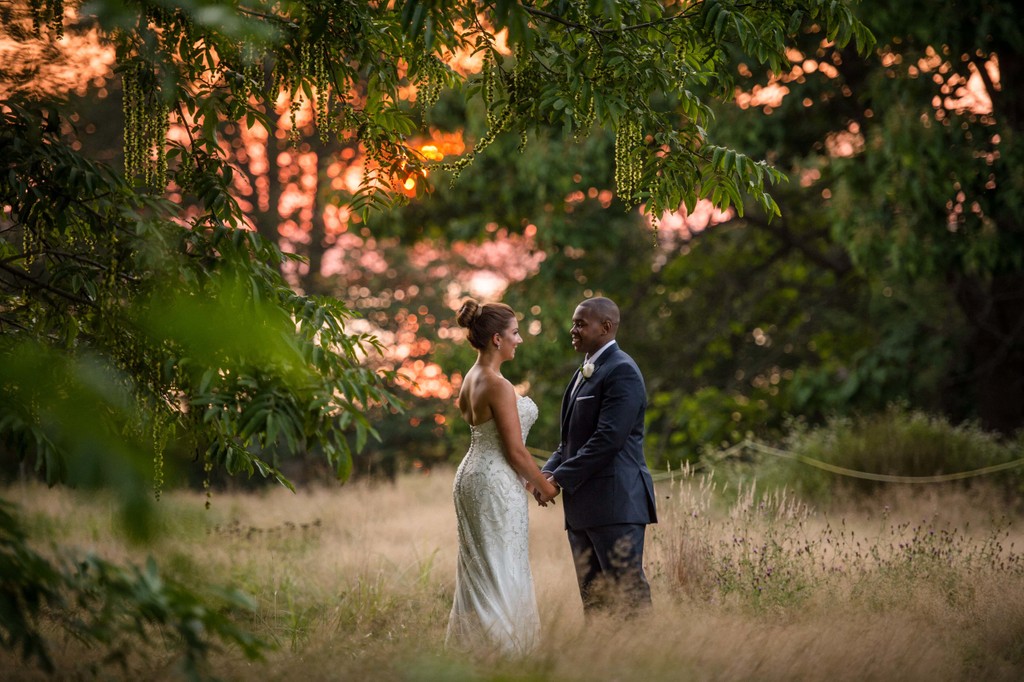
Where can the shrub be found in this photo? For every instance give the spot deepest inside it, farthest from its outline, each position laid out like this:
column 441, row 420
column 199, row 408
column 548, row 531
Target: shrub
column 897, row 442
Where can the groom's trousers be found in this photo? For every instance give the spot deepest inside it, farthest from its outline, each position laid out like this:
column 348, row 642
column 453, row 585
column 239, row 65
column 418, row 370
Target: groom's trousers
column 609, row 566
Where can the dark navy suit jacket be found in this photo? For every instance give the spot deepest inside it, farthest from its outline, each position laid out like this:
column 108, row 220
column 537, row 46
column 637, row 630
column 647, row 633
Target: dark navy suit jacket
column 600, row 462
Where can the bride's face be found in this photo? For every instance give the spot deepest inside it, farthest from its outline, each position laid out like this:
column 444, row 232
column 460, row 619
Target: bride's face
column 509, row 339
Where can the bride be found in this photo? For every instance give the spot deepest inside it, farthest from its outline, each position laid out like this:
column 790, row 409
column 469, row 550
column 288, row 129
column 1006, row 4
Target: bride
column 495, row 606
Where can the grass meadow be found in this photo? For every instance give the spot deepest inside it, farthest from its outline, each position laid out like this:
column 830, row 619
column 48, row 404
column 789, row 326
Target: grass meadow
column 355, row 582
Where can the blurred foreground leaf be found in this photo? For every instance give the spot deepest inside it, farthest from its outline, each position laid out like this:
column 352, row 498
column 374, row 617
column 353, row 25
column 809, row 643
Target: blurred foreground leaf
column 121, row 608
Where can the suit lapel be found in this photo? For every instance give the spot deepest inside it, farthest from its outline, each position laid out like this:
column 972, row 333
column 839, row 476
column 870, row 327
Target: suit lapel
column 567, row 398
column 572, row 390
column 599, row 363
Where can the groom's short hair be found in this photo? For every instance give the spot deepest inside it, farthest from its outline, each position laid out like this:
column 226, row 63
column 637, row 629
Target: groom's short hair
column 603, row 308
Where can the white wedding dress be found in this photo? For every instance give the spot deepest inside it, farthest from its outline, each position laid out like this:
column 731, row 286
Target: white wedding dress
column 495, row 606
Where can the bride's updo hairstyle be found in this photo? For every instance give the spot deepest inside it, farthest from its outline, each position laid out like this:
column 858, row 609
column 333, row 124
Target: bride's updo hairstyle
column 484, row 321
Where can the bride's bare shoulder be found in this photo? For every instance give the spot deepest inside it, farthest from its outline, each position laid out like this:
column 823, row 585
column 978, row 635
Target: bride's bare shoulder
column 481, row 378
column 483, row 391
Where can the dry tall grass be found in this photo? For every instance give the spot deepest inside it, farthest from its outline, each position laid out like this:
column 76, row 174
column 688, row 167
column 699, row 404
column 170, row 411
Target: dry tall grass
column 356, row 583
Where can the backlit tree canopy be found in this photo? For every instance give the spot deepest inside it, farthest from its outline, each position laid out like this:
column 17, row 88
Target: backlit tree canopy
column 645, row 68
column 101, row 268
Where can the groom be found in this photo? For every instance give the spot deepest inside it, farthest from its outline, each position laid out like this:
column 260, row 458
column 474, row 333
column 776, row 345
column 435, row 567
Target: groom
column 599, row 464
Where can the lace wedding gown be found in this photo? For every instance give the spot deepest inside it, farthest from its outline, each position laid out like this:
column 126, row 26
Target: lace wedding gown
column 495, row 605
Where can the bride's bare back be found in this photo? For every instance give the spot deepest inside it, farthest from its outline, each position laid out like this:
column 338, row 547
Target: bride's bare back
column 480, row 389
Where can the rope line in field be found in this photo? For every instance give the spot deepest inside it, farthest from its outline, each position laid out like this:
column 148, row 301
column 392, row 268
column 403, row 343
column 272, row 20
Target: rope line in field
column 749, row 444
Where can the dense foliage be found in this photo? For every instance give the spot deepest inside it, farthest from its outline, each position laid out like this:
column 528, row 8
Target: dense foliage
column 575, row 65
column 114, row 607
column 148, row 334
column 569, row 65
column 891, row 275
column 133, row 343
column 894, row 272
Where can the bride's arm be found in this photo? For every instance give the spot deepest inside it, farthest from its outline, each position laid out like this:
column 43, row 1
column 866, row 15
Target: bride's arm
column 506, row 418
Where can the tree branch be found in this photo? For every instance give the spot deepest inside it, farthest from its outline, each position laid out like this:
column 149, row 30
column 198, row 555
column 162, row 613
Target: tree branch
column 689, row 13
column 96, row 264
column 48, row 287
column 840, row 266
column 6, row 321
column 272, row 17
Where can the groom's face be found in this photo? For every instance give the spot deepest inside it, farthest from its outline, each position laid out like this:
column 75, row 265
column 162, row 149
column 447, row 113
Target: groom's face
column 587, row 332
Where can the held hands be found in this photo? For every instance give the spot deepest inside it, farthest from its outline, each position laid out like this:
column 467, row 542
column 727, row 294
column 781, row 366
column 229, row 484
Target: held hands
column 545, row 494
column 532, row 489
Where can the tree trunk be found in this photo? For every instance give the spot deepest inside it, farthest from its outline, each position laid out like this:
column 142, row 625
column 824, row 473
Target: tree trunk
column 312, row 283
column 267, row 222
column 996, row 349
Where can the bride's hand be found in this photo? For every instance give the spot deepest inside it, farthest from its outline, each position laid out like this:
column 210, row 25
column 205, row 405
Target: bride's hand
column 532, row 489
column 544, row 497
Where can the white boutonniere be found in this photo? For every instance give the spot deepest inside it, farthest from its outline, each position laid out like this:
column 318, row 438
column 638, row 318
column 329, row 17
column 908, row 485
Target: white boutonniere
column 587, row 369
